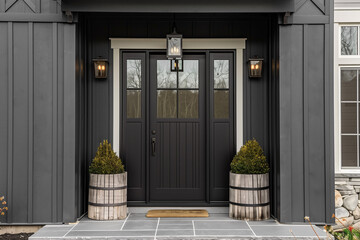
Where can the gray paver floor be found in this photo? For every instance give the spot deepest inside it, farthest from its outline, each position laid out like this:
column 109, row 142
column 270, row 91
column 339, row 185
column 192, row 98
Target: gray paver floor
column 137, row 226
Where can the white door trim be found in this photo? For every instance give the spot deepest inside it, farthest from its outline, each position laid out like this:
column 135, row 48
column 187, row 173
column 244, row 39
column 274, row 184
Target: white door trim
column 118, row 44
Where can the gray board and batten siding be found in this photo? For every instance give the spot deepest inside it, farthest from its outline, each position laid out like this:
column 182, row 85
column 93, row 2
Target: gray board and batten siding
column 37, row 113
column 306, row 113
column 53, row 113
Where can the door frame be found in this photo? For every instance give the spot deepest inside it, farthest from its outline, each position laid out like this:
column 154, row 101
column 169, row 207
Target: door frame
column 118, row 44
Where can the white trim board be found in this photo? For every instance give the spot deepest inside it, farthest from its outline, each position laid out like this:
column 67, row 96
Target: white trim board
column 341, row 61
column 118, row 44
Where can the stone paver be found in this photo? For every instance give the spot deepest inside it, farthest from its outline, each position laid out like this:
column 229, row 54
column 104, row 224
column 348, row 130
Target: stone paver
column 137, row 226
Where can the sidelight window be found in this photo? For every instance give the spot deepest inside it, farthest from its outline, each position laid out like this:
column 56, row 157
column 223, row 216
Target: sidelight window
column 133, row 92
column 221, row 88
column 178, row 92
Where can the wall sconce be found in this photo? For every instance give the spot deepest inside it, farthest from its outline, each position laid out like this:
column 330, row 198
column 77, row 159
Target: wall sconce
column 174, row 45
column 100, row 67
column 176, row 65
column 255, row 67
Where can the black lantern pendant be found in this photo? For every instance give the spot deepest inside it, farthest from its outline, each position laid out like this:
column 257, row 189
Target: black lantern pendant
column 255, row 67
column 100, row 68
column 174, row 45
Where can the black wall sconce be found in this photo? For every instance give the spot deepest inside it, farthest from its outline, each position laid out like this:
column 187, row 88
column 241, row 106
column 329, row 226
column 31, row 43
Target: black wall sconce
column 101, row 66
column 255, row 67
column 176, row 65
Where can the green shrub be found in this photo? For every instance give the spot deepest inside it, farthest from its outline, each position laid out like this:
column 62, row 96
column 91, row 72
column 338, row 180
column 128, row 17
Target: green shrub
column 250, row 160
column 106, row 161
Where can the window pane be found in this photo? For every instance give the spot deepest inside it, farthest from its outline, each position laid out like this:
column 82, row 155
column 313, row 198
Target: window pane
column 133, row 73
column 189, row 78
column 133, row 104
column 221, row 73
column 165, row 78
column 348, row 118
column 221, row 104
column 188, row 104
column 349, row 40
column 166, row 103
column 348, row 85
column 358, row 82
column 349, row 151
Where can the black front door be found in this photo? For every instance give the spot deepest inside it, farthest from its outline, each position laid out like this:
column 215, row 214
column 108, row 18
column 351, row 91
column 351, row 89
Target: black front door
column 177, row 130
column 177, row 127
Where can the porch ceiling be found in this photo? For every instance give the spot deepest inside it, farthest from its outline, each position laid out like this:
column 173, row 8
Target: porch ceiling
column 182, row 6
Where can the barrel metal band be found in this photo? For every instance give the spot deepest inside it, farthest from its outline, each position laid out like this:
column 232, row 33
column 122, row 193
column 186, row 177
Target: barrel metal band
column 250, row 205
column 107, row 204
column 250, row 189
column 107, row 188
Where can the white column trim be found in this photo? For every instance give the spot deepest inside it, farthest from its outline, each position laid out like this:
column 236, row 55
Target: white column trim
column 239, row 99
column 116, row 101
column 118, row 44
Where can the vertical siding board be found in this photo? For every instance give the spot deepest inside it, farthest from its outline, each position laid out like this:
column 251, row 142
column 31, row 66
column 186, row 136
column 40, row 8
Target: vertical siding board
column 297, row 128
column 4, row 107
column 305, row 119
column 31, row 122
column 69, row 209
column 316, row 128
column 285, row 123
column 60, row 120
column 10, row 121
column 43, row 105
column 54, row 121
column 20, row 121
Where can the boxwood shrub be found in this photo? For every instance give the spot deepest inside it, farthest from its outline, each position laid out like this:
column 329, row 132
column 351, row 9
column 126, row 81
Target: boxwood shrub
column 106, row 161
column 250, row 160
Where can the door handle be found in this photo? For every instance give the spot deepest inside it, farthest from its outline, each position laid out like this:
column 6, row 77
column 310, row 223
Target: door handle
column 153, row 142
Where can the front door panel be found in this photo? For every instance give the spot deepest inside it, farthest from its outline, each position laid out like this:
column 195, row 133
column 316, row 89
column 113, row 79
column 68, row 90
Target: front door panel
column 177, row 134
column 177, row 130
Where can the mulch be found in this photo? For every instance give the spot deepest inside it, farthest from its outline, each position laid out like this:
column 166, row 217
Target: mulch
column 22, row 236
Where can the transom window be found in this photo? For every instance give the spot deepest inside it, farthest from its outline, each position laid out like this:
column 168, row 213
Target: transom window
column 350, row 36
column 350, row 127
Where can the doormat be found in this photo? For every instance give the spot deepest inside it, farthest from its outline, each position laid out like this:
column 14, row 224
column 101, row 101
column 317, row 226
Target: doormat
column 176, row 213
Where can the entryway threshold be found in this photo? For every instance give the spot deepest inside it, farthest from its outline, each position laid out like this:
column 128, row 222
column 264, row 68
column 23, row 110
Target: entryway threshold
column 138, row 226
column 209, row 209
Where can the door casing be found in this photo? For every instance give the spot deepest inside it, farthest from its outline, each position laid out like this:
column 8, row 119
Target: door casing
column 238, row 103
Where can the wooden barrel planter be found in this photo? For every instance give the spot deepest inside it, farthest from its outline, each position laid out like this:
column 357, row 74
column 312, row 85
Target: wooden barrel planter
column 249, row 196
column 107, row 196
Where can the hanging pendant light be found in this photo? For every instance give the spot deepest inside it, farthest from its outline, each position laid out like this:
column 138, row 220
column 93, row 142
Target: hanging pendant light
column 174, row 45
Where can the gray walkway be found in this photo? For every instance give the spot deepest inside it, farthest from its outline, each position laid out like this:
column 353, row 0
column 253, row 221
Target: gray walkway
column 137, row 226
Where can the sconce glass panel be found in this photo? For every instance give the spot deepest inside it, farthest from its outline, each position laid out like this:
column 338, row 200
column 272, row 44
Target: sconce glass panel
column 255, row 68
column 100, row 68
